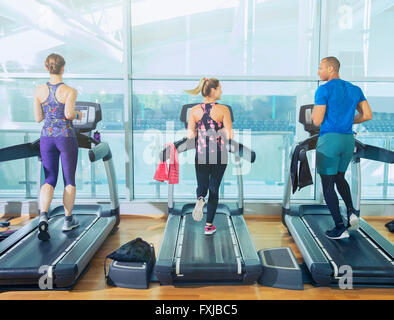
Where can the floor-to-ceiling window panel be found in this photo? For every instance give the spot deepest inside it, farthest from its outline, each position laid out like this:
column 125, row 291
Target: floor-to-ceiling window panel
column 18, row 126
column 358, row 33
column 89, row 34
column 379, row 131
column 265, row 53
column 264, row 120
column 237, row 37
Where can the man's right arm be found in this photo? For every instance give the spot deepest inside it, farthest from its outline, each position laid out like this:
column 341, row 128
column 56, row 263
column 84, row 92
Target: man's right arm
column 364, row 112
column 319, row 110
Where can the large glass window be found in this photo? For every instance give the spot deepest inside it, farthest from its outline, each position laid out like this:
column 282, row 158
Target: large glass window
column 87, row 33
column 266, row 54
column 357, row 32
column 264, row 119
column 237, row 37
column 378, row 132
column 18, row 126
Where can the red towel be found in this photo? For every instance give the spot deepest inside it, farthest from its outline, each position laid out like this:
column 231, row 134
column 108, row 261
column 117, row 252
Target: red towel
column 172, row 173
column 161, row 173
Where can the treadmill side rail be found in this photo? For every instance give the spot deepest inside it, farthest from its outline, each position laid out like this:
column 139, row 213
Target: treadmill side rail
column 165, row 259
column 381, row 241
column 17, row 236
column 80, row 255
column 251, row 260
column 316, row 261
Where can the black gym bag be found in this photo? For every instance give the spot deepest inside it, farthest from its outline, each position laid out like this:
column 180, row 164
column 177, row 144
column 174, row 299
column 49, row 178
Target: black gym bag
column 136, row 252
column 390, row 226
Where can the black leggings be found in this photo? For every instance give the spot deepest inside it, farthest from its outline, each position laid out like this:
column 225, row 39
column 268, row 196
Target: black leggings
column 328, row 182
column 209, row 177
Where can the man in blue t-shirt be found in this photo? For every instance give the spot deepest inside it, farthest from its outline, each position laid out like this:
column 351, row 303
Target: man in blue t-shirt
column 335, row 108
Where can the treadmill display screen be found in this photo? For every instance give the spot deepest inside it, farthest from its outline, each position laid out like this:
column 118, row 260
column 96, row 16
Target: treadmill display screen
column 88, row 115
column 91, row 115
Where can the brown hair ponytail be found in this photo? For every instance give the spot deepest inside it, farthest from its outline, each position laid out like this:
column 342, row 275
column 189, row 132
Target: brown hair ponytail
column 54, row 62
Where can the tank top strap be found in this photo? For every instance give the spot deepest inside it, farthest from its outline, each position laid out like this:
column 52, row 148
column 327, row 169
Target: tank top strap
column 207, row 107
column 52, row 89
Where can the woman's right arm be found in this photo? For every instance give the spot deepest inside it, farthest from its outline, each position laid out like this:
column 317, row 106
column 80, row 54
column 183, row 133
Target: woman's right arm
column 365, row 112
column 228, row 125
column 191, row 126
column 38, row 114
column 69, row 109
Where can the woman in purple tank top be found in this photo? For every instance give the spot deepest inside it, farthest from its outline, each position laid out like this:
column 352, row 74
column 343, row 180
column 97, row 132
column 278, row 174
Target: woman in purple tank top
column 54, row 102
column 210, row 123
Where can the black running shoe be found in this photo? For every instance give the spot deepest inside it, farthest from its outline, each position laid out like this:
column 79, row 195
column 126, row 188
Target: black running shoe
column 337, row 233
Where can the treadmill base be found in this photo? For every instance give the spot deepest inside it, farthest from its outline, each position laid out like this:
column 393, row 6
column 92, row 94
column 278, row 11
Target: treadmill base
column 36, row 288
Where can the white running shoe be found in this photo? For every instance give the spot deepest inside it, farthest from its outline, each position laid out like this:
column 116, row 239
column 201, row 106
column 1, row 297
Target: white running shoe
column 354, row 222
column 198, row 209
column 70, row 225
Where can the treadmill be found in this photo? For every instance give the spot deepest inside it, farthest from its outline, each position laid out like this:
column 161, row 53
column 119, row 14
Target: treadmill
column 24, row 258
column 189, row 257
column 367, row 252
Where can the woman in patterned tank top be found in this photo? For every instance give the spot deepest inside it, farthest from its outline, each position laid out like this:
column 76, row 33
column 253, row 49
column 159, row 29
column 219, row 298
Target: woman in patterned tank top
column 54, row 102
column 210, row 123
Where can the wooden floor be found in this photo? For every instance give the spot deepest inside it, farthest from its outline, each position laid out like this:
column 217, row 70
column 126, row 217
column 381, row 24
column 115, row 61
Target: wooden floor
column 266, row 231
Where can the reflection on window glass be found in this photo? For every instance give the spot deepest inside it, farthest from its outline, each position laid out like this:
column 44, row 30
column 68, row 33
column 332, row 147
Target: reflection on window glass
column 264, row 119
column 238, row 39
column 372, row 172
column 379, row 132
column 16, row 102
column 225, row 37
column 357, row 33
column 390, row 192
column 12, row 181
column 87, row 33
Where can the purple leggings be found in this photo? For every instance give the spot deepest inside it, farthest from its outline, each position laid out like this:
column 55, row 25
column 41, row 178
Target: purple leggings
column 51, row 149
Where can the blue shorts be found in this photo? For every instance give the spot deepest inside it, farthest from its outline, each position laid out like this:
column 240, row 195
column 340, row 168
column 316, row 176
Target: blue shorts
column 334, row 151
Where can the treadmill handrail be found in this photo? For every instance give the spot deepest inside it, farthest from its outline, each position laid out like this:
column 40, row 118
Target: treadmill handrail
column 103, row 151
column 361, row 151
column 239, row 151
column 20, row 151
column 184, row 144
column 99, row 151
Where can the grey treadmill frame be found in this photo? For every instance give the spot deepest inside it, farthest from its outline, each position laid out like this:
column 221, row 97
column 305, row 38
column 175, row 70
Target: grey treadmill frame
column 69, row 266
column 323, row 269
column 167, row 264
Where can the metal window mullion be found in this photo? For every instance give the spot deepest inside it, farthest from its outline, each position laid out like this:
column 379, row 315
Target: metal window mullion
column 386, row 170
column 27, row 169
column 93, row 179
column 128, row 92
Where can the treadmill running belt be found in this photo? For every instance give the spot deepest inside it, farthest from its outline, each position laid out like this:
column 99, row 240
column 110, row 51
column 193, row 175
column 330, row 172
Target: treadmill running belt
column 355, row 251
column 33, row 253
column 210, row 254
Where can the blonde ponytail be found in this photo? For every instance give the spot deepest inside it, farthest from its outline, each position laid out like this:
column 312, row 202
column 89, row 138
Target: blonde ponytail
column 198, row 89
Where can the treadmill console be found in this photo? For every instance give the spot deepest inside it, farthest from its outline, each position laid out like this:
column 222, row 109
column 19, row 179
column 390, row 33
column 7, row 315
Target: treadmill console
column 91, row 115
column 305, row 118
